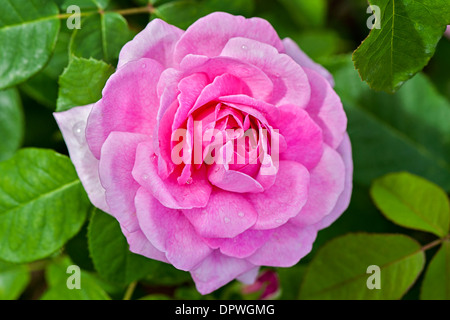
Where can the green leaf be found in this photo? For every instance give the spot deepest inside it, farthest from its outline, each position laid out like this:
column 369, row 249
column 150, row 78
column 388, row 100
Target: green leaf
column 436, row 284
column 13, row 280
column 111, row 254
column 407, row 131
column 43, row 87
column 339, row 269
column 101, row 37
column 82, row 83
column 85, row 4
column 412, row 202
column 57, row 276
column 307, row 13
column 185, row 12
column 290, row 279
column 42, row 204
column 28, row 33
column 11, row 123
column 407, row 39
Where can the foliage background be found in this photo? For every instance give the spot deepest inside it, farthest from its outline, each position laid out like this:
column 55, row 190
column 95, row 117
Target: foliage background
column 46, row 222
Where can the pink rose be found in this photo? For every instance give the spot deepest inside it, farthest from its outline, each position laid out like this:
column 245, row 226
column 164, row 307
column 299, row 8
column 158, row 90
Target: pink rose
column 180, row 98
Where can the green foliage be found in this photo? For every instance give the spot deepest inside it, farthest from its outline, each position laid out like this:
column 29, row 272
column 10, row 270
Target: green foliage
column 82, row 82
column 11, row 123
column 42, row 204
column 407, row 39
column 28, row 34
column 13, row 280
column 339, row 269
column 436, row 284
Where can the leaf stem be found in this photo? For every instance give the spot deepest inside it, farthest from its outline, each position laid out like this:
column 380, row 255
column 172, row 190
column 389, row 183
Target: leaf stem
column 130, row 290
column 435, row 243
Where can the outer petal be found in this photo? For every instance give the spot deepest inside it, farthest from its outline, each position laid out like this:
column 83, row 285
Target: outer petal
column 72, row 124
column 170, row 232
column 249, row 277
column 129, row 103
column 286, row 247
column 293, row 50
column 327, row 184
column 217, row 270
column 116, row 163
column 325, row 108
column 157, row 41
column 284, row 199
column 139, row 244
column 289, row 80
column 345, row 150
column 226, row 215
column 168, row 191
column 208, row 35
column 303, row 136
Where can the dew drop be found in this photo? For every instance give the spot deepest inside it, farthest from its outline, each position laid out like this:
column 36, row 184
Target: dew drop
column 244, row 47
column 279, row 221
column 143, row 66
column 78, row 131
column 144, row 177
column 226, row 220
column 241, row 214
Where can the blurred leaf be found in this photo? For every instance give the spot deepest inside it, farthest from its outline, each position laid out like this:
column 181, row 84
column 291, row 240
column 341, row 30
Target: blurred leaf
column 407, row 39
column 82, row 83
column 28, row 33
column 436, row 284
column 78, row 250
column 320, row 43
column 11, row 123
column 407, row 131
column 13, row 280
column 339, row 269
column 101, row 37
column 183, row 13
column 307, row 13
column 85, row 4
column 43, row 87
column 290, row 279
column 57, row 276
column 412, row 202
column 42, row 204
column 111, row 254
column 155, row 297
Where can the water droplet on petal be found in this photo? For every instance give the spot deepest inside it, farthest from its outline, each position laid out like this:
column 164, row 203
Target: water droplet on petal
column 244, row 47
column 279, row 221
column 78, row 131
column 143, row 66
column 241, row 214
column 144, row 177
column 226, row 220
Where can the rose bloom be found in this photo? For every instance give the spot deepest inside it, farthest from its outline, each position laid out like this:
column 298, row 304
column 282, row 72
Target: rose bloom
column 255, row 204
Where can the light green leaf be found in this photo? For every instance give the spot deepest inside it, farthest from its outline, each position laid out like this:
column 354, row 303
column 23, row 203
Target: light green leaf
column 412, row 202
column 307, row 13
column 57, row 276
column 436, row 284
column 85, row 4
column 183, row 13
column 82, row 83
column 13, row 280
column 111, row 254
column 407, row 39
column 101, row 37
column 407, row 131
column 28, row 33
column 42, row 204
column 11, row 123
column 339, row 269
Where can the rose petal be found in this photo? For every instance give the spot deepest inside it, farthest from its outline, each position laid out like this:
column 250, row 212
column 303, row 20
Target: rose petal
column 326, row 185
column 129, row 103
column 208, row 35
column 139, row 244
column 226, row 215
column 287, row 245
column 157, row 41
column 72, row 124
column 284, row 199
column 170, row 232
column 217, row 270
column 249, row 277
column 294, row 51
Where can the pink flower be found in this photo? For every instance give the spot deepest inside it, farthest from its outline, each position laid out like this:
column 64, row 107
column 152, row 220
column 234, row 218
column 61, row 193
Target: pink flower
column 267, row 283
column 200, row 91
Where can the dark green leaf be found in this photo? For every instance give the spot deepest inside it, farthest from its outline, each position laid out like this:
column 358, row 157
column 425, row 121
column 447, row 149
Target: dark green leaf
column 42, row 204
column 11, row 123
column 339, row 269
column 110, row 251
column 436, row 284
column 13, row 280
column 307, row 13
column 101, row 37
column 82, row 82
column 85, row 4
column 28, row 33
column 412, row 202
column 407, row 39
